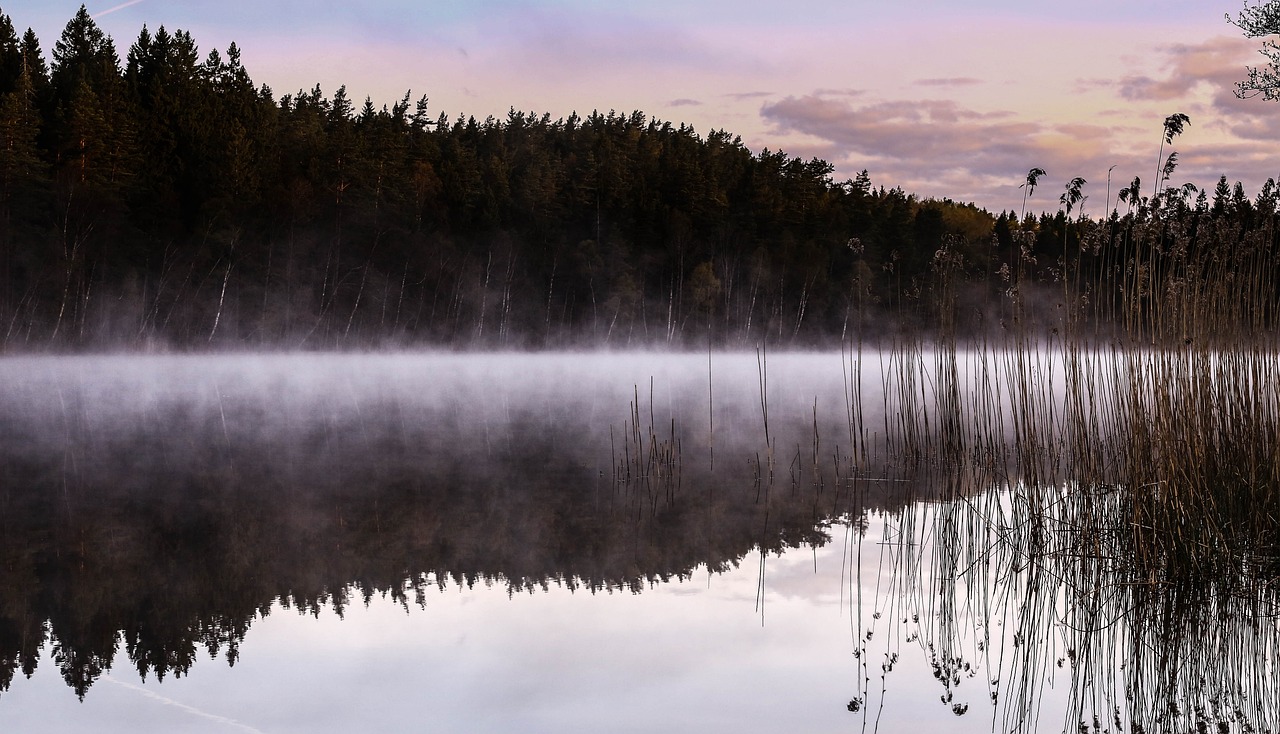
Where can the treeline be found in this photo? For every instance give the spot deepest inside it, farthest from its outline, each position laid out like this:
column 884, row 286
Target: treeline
column 167, row 200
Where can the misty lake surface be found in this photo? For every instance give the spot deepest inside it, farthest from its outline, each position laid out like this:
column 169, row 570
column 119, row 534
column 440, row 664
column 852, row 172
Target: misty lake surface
column 513, row 542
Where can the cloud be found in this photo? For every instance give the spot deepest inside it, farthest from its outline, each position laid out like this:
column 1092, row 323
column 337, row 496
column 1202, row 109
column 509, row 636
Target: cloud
column 959, row 81
column 1216, row 64
column 922, row 129
column 1144, row 88
column 684, row 102
column 606, row 42
column 740, row 96
column 942, row 148
column 840, row 92
column 1262, row 128
column 959, row 149
column 1202, row 77
column 216, row 718
column 111, row 10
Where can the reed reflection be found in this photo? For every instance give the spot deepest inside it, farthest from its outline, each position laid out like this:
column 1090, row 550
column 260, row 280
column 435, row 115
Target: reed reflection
column 1109, row 530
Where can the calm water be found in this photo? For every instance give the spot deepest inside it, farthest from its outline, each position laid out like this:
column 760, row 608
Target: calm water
column 529, row 542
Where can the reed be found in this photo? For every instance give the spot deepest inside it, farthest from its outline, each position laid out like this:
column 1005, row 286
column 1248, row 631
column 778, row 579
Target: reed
column 650, row 461
column 1089, row 498
column 1114, row 490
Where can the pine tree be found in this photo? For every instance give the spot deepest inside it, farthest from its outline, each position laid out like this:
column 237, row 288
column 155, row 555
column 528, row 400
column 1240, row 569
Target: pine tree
column 84, row 54
column 92, row 127
column 19, row 125
column 10, row 56
column 38, row 74
column 1221, row 197
column 21, row 177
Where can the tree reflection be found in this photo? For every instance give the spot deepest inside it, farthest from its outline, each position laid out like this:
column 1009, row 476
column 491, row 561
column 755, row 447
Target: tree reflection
column 170, row 536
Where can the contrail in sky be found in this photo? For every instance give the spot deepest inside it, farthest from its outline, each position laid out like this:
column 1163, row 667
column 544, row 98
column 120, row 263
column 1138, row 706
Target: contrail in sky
column 170, row 701
column 121, row 6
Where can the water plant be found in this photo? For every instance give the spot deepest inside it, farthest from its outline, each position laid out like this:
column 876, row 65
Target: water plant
column 1115, row 492
column 1173, row 126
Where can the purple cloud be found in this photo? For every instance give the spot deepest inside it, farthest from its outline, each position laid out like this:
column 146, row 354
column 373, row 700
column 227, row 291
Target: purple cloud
column 1217, row 63
column 959, row 81
column 940, row 148
column 933, row 129
column 944, row 148
column 747, row 95
column 848, row 92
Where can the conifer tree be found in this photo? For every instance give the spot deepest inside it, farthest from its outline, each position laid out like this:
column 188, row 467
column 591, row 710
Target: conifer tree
column 10, row 56
column 21, row 178
column 92, row 130
column 37, row 71
column 20, row 164
column 84, row 54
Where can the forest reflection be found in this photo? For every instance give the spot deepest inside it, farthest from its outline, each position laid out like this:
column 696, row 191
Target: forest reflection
column 165, row 513
column 159, row 509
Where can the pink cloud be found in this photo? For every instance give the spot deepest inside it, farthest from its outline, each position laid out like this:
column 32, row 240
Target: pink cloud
column 950, row 148
column 933, row 129
column 848, row 92
column 941, row 148
column 1217, row 63
column 962, row 81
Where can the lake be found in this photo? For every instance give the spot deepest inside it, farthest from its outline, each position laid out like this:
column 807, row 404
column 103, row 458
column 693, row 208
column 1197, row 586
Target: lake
column 880, row 540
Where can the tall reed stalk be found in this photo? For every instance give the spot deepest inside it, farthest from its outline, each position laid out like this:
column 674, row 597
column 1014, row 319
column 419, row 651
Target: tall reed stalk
column 1115, row 490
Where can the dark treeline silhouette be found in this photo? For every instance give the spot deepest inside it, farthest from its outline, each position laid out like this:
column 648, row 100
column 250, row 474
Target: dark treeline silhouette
column 165, row 199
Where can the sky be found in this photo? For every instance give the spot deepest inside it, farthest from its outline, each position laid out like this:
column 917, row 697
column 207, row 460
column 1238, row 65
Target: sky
column 688, row 655
column 942, row 98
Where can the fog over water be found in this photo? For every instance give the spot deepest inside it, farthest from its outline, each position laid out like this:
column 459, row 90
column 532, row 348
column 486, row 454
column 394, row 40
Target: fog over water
column 439, row 398
column 211, row 451
column 541, row 542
